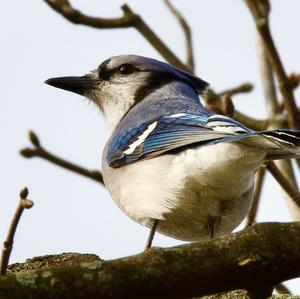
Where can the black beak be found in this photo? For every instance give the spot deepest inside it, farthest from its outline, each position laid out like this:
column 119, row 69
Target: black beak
column 78, row 85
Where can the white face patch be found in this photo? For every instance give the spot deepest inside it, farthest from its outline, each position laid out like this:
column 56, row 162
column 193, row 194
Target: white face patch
column 117, row 96
column 140, row 139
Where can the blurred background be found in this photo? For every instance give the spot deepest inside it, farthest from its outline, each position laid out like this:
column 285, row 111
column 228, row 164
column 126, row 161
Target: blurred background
column 75, row 214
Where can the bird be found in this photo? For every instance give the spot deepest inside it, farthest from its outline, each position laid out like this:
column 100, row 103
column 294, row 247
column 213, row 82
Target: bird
column 170, row 163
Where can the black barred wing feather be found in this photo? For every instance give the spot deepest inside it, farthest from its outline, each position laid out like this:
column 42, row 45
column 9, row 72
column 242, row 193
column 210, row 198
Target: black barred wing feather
column 289, row 138
column 287, row 143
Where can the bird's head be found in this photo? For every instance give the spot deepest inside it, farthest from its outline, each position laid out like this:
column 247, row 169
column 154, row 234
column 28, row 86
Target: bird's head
column 119, row 83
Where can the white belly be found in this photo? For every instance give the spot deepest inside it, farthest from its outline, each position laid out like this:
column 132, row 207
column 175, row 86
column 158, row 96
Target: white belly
column 189, row 190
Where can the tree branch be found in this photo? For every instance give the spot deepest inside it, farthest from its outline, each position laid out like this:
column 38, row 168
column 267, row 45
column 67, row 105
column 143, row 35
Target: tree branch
column 251, row 122
column 212, row 97
column 129, row 19
column 64, row 8
column 261, row 18
column 259, row 180
column 187, row 33
column 24, row 203
column 274, row 110
column 39, row 151
column 272, row 105
column 284, row 182
column 246, row 260
column 214, row 102
column 294, row 80
column 243, row 88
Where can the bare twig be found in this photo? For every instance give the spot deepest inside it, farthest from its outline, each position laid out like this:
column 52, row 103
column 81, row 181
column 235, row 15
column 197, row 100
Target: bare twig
column 261, row 18
column 212, row 96
column 153, row 39
column 243, row 88
column 250, row 122
column 187, row 33
column 129, row 19
column 272, row 105
column 259, row 179
column 223, row 106
column 298, row 162
column 39, row 151
column 227, row 105
column 287, row 170
column 24, row 203
column 274, row 110
column 294, row 80
column 64, row 8
column 284, row 182
column 214, row 102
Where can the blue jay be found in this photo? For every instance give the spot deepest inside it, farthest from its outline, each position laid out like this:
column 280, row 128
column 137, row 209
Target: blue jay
column 170, row 163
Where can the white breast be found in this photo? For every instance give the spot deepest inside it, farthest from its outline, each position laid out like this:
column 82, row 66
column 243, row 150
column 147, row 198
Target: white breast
column 189, row 186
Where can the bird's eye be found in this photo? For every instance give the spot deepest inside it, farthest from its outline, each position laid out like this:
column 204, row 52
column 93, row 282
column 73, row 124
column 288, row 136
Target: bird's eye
column 126, row 69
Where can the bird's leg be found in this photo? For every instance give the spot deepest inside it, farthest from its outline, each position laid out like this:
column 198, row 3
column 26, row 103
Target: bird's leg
column 212, row 229
column 151, row 234
column 212, row 221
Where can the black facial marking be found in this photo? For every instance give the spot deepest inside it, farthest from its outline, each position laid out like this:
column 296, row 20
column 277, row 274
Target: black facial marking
column 103, row 71
column 158, row 79
column 154, row 81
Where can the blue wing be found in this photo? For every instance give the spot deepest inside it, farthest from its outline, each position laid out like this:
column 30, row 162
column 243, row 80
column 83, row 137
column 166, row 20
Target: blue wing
column 168, row 133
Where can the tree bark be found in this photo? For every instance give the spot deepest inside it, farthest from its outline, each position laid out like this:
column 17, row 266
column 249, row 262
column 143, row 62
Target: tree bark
column 255, row 259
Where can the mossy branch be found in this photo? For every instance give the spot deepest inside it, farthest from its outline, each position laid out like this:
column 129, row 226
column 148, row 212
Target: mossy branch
column 258, row 258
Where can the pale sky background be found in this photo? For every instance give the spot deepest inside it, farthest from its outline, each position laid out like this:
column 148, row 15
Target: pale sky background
column 75, row 214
